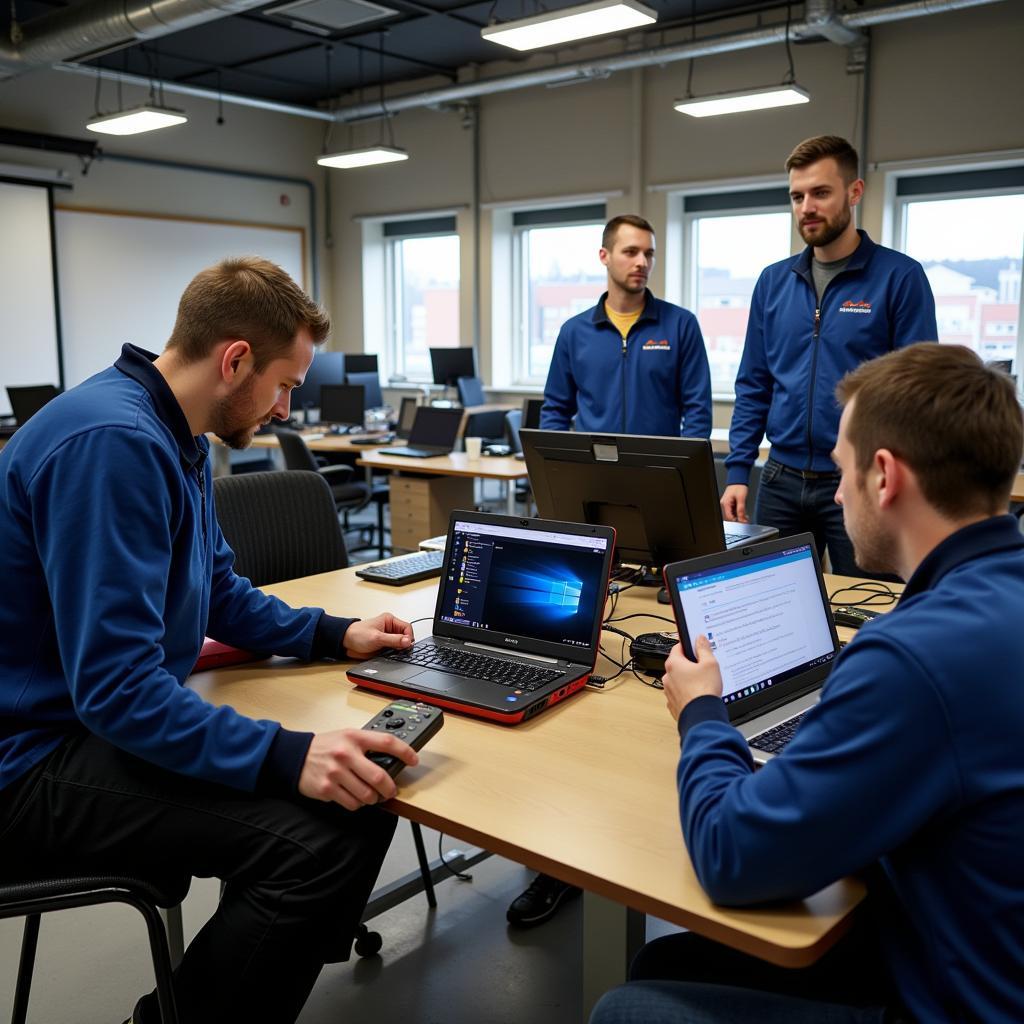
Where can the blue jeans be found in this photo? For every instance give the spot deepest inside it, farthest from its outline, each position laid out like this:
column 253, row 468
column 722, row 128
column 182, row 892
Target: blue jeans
column 687, row 979
column 794, row 505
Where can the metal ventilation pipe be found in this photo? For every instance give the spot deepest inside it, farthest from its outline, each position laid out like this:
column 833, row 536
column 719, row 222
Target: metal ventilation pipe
column 80, row 33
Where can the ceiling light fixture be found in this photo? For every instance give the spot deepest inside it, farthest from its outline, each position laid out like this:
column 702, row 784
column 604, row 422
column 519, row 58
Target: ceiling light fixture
column 570, row 23
column 363, row 157
column 743, row 99
column 134, row 121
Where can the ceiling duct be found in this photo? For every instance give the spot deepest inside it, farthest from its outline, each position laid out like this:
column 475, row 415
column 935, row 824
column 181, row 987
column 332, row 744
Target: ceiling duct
column 81, row 33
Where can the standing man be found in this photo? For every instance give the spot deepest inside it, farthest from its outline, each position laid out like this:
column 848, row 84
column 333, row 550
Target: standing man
column 813, row 317
column 633, row 364
column 909, row 770
column 116, row 569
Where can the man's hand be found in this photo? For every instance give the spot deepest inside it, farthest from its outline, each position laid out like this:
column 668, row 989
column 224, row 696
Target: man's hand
column 368, row 636
column 685, row 680
column 336, row 768
column 734, row 503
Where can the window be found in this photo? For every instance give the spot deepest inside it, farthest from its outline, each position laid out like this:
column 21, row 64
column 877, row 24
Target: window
column 729, row 239
column 967, row 229
column 557, row 274
column 421, row 292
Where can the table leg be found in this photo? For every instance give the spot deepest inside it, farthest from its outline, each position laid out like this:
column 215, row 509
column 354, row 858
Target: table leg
column 612, row 936
column 510, row 497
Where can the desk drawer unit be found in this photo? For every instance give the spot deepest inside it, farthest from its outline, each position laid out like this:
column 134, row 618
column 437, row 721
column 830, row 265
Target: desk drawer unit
column 420, row 506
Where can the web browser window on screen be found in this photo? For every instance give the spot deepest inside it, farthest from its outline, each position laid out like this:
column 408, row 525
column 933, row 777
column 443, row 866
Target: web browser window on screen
column 764, row 618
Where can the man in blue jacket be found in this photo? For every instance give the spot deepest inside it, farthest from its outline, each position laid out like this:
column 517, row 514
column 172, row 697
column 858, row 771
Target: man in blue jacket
column 633, row 364
column 115, row 569
column 909, row 770
column 842, row 301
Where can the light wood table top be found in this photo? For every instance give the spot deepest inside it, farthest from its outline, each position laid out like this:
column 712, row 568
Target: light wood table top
column 1017, row 494
column 585, row 791
column 457, row 464
column 322, row 441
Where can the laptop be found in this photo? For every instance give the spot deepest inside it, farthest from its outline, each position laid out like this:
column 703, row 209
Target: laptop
column 27, row 401
column 517, row 621
column 766, row 613
column 433, row 433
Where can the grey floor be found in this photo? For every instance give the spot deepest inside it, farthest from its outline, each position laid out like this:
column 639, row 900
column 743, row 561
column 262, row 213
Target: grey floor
column 458, row 964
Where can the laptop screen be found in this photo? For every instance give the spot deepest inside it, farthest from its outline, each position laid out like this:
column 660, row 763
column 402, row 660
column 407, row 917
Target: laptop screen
column 435, row 428
column 764, row 616
column 541, row 584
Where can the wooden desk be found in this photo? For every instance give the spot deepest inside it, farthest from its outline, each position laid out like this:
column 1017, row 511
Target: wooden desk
column 585, row 792
column 1017, row 494
column 321, row 441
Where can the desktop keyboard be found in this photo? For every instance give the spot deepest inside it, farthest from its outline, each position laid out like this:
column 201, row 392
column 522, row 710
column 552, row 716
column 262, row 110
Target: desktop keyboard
column 774, row 739
column 478, row 666
column 396, row 572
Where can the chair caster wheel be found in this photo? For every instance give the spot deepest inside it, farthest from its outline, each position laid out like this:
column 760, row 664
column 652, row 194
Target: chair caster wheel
column 368, row 943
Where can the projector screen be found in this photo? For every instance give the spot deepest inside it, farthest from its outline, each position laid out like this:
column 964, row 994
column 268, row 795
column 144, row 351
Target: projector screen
column 28, row 321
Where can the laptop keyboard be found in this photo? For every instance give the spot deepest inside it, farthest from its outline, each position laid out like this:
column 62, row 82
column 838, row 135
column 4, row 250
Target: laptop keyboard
column 512, row 674
column 735, row 537
column 775, row 739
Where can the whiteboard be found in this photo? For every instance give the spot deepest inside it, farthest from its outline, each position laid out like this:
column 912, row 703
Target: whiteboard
column 121, row 276
column 28, row 324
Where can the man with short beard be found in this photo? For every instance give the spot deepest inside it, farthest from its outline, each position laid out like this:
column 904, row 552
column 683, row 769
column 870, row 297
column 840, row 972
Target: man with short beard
column 813, row 317
column 110, row 548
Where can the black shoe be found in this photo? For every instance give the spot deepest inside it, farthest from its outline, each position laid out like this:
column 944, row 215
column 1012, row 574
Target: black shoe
column 540, row 901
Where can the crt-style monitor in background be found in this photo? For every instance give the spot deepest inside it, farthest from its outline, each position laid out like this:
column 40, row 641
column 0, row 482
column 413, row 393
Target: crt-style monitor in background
column 449, row 364
column 326, row 368
column 343, row 404
column 658, row 493
column 370, row 383
column 361, row 362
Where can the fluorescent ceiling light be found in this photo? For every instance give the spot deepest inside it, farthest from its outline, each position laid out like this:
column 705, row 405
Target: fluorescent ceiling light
column 579, row 22
column 745, row 99
column 363, row 157
column 136, row 120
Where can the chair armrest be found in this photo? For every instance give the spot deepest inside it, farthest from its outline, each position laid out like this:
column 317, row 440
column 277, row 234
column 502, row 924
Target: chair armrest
column 337, row 474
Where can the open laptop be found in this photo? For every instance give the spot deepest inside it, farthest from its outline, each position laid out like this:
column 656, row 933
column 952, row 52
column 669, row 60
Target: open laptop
column 766, row 613
column 27, row 401
column 434, row 432
column 517, row 621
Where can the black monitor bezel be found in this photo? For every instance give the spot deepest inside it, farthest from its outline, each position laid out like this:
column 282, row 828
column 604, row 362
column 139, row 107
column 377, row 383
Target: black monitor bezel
column 437, row 359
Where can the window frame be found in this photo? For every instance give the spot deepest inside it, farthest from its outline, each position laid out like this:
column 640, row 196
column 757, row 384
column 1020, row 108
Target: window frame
column 894, row 233
column 520, row 283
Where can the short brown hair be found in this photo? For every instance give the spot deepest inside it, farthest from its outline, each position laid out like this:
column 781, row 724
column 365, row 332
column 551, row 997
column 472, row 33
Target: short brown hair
column 611, row 229
column 821, row 147
column 955, row 421
column 245, row 297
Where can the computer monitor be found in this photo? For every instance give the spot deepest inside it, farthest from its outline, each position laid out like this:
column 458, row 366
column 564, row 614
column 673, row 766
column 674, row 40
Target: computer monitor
column 326, row 368
column 659, row 493
column 531, row 413
column 344, row 404
column 361, row 362
column 449, row 364
column 28, row 400
column 370, row 383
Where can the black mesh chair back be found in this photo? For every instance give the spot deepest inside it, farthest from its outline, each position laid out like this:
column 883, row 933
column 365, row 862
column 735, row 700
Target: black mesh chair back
column 296, row 454
column 280, row 525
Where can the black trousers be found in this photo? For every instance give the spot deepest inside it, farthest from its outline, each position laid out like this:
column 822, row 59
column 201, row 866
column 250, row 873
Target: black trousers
column 297, row 873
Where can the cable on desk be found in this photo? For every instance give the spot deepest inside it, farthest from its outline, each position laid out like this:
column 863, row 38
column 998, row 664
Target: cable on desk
column 877, row 594
column 641, row 615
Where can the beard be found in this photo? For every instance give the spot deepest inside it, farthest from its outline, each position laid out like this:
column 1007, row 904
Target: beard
column 234, row 418
column 827, row 231
column 874, row 549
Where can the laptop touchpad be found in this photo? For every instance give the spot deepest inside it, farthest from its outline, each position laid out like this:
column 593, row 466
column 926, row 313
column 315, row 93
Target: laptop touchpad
column 431, row 679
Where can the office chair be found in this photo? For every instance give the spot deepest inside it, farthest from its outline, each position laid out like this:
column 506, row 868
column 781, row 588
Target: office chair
column 282, row 526
column 30, row 898
column 488, row 425
column 513, row 421
column 349, row 495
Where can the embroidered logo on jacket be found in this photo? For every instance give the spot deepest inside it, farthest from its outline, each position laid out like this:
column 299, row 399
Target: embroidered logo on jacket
column 650, row 345
column 855, row 307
